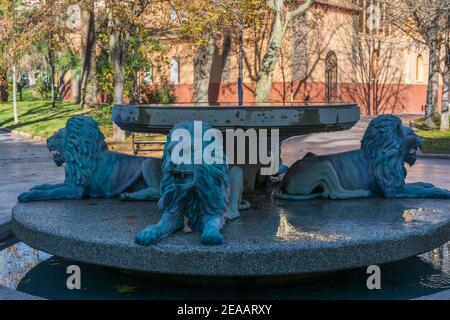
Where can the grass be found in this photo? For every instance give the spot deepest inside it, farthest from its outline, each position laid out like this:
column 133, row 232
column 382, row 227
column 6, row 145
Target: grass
column 434, row 140
column 37, row 117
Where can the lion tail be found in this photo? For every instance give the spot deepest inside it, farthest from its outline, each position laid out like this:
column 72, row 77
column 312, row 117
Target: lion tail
column 283, row 196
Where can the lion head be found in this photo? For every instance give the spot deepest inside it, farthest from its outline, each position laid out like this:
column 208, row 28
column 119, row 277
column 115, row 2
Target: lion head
column 76, row 145
column 196, row 190
column 388, row 144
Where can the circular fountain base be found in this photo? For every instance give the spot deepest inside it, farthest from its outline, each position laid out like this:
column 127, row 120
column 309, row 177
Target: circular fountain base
column 273, row 239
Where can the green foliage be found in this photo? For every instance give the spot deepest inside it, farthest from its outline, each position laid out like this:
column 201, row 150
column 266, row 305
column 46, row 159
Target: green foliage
column 163, row 93
column 137, row 62
column 105, row 74
column 434, row 140
column 42, row 87
column 200, row 19
column 140, row 47
column 67, row 60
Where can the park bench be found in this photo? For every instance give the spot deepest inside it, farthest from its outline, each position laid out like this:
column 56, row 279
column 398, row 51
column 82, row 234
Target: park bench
column 140, row 140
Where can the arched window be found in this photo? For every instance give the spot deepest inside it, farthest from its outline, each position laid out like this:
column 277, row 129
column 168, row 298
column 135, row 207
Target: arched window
column 331, row 77
column 419, row 68
column 174, row 71
column 375, row 64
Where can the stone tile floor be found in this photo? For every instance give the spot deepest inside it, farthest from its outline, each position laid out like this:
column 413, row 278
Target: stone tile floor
column 23, row 163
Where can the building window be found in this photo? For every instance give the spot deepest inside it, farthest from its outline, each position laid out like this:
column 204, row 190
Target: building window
column 174, row 71
column 406, row 72
column 331, row 77
column 419, row 68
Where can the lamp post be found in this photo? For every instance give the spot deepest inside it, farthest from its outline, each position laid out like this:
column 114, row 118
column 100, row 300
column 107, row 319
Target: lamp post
column 241, row 68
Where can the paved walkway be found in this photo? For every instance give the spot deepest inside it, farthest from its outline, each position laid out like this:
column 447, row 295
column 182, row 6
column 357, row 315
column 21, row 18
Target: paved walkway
column 25, row 163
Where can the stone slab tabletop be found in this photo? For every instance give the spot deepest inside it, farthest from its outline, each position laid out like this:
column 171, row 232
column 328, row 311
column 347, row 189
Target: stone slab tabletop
column 274, row 238
column 290, row 119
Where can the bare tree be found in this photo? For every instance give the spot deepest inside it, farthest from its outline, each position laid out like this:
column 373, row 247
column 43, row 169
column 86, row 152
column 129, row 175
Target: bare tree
column 123, row 22
column 423, row 21
column 375, row 77
column 446, row 77
column 202, row 23
column 282, row 18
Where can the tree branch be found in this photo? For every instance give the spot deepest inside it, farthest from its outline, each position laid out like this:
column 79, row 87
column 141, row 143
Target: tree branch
column 305, row 6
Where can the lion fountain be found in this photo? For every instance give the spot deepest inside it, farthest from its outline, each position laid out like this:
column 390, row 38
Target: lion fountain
column 92, row 171
column 202, row 195
column 273, row 238
column 375, row 169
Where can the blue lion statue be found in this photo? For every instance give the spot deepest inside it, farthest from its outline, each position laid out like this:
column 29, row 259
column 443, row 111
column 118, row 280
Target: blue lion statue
column 92, row 171
column 377, row 168
column 200, row 195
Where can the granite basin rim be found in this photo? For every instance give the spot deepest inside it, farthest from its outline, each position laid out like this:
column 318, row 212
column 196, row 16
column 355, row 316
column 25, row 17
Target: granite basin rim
column 290, row 120
column 55, row 227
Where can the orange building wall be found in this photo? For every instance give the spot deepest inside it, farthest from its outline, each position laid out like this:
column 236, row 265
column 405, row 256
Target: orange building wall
column 410, row 100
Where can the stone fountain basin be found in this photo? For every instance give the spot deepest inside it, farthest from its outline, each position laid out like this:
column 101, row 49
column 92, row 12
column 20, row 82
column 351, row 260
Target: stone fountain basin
column 274, row 238
column 291, row 119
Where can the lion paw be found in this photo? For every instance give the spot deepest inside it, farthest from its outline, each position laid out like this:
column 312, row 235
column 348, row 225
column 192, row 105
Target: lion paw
column 148, row 236
column 124, row 197
column 212, row 237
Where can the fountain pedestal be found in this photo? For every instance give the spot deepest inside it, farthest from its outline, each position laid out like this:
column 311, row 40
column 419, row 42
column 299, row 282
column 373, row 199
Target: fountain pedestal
column 290, row 120
column 274, row 238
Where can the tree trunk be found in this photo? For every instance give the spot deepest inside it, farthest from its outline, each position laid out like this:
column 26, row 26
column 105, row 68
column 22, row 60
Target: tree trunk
column 282, row 19
column 3, row 86
column 88, row 92
column 203, row 61
column 52, row 76
column 433, row 84
column 16, row 116
column 265, row 75
column 445, row 93
column 74, row 87
column 241, row 68
column 118, row 45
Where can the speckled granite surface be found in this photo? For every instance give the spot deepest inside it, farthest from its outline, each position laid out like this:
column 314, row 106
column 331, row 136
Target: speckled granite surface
column 273, row 238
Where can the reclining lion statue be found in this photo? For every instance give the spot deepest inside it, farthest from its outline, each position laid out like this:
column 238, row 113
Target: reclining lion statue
column 375, row 169
column 201, row 194
column 92, row 171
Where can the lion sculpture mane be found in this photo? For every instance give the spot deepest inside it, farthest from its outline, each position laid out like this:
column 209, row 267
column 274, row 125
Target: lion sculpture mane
column 91, row 171
column 375, row 169
column 201, row 195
